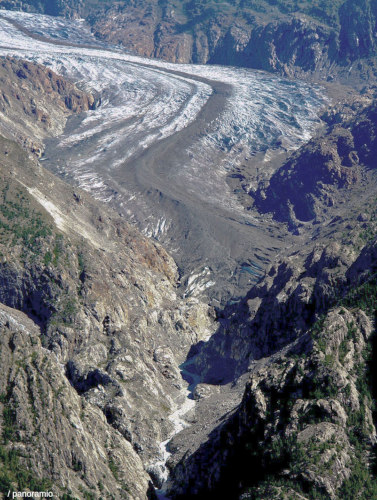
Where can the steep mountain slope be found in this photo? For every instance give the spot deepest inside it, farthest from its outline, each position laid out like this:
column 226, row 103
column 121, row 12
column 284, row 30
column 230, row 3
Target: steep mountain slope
column 305, row 427
column 319, row 39
column 104, row 318
column 92, row 326
column 52, row 440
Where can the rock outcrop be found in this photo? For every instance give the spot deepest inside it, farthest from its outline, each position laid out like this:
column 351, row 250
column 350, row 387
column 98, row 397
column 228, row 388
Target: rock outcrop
column 324, row 173
column 306, row 425
column 104, row 298
column 93, row 332
column 52, row 439
column 35, row 102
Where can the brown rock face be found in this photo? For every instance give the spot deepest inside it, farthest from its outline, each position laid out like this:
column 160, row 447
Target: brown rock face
column 35, row 102
column 68, row 8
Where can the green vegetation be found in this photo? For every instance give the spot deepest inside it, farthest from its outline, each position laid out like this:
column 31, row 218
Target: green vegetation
column 323, row 389
column 201, row 10
column 28, row 237
column 68, row 496
column 360, row 484
column 87, row 495
column 288, row 454
column 9, row 424
column 16, row 477
column 19, row 222
column 81, row 261
column 9, row 421
column 284, row 453
column 32, row 404
column 363, row 296
column 275, row 488
column 114, row 468
column 58, row 249
column 26, row 232
column 66, row 307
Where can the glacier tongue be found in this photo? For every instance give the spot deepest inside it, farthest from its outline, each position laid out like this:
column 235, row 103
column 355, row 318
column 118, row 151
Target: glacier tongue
column 165, row 139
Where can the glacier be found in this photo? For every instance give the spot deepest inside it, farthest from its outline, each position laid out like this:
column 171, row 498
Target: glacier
column 163, row 141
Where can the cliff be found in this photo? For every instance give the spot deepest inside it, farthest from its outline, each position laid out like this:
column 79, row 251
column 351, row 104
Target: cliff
column 92, row 324
column 305, row 427
column 327, row 172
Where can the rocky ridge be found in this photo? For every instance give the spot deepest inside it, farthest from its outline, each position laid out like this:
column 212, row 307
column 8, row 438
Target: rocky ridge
column 312, row 184
column 305, row 426
column 47, row 428
column 304, row 336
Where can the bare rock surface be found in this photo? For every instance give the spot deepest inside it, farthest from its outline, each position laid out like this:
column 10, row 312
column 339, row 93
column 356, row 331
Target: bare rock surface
column 95, row 338
column 296, row 429
column 62, row 441
column 305, row 334
column 319, row 177
column 35, row 102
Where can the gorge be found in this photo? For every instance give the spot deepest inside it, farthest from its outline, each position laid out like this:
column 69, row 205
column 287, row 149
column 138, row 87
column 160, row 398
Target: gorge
column 240, row 367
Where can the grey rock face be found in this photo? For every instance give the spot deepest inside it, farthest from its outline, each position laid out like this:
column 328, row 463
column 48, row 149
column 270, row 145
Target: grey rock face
column 357, row 33
column 305, row 335
column 104, row 299
column 77, row 450
column 295, row 426
column 329, row 169
column 276, row 311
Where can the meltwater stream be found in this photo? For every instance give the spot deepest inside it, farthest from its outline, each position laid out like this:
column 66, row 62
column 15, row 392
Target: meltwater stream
column 164, row 139
column 178, row 420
